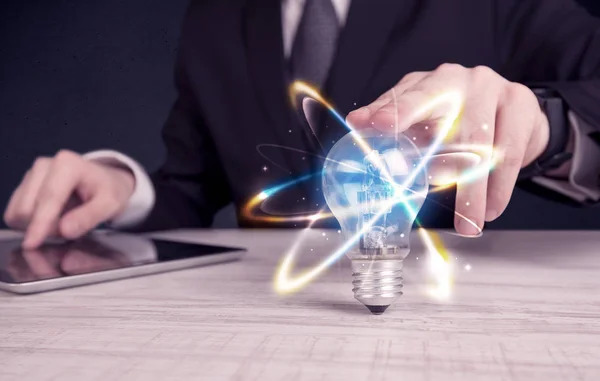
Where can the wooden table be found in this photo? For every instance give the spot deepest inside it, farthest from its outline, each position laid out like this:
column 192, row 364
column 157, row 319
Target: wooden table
column 528, row 309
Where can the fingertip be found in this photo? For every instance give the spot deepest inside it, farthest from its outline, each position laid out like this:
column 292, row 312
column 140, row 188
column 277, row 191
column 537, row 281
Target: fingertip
column 467, row 228
column 359, row 117
column 30, row 241
column 491, row 215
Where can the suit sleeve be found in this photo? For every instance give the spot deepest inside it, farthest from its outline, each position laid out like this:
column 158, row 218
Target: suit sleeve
column 555, row 44
column 190, row 187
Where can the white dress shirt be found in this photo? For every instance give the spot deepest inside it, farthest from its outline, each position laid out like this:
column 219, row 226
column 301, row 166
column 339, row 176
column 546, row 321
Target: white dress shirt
column 580, row 185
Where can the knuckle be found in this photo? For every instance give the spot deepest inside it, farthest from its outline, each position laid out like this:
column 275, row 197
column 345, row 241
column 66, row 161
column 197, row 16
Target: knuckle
column 520, row 92
column 413, row 76
column 520, row 97
column 66, row 157
column 449, row 68
column 40, row 163
column 483, row 71
column 371, row 108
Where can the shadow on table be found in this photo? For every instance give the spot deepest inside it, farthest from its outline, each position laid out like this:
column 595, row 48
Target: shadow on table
column 350, row 308
column 335, row 305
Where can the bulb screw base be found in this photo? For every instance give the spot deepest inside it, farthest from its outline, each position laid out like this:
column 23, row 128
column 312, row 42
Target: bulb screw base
column 377, row 283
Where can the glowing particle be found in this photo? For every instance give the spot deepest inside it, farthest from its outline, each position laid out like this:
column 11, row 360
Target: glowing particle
column 417, row 258
column 339, row 232
column 327, row 238
column 468, row 203
column 443, row 161
column 468, row 267
column 311, row 249
column 430, row 177
column 485, row 127
column 290, row 131
column 303, row 198
column 262, row 196
column 427, row 127
column 414, row 138
column 402, row 235
column 315, row 217
column 372, row 123
column 355, row 103
column 323, row 234
column 265, row 168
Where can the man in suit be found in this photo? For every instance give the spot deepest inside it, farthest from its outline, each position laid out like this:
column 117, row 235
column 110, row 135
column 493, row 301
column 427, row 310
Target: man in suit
column 528, row 71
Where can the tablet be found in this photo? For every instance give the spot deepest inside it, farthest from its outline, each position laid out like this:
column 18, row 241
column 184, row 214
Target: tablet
column 100, row 257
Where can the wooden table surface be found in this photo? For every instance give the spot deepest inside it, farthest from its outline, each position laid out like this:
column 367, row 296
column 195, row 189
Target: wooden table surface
column 528, row 309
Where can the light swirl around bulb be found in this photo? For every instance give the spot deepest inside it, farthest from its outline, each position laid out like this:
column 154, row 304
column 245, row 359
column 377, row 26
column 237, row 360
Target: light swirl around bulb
column 439, row 265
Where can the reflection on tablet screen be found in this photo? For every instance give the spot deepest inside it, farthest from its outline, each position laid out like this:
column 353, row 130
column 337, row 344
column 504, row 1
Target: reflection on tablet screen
column 95, row 253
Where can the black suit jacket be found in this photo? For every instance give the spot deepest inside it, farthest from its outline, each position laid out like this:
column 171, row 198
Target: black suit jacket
column 232, row 88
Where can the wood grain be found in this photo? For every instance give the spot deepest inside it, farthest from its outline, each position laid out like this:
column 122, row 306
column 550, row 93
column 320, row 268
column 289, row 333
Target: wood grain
column 529, row 309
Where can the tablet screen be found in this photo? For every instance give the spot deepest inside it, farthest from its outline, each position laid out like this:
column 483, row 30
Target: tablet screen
column 95, row 253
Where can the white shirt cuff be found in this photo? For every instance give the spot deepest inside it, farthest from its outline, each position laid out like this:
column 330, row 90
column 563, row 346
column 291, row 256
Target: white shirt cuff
column 583, row 183
column 142, row 199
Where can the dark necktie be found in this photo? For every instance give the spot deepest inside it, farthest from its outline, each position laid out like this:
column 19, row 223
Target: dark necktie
column 312, row 54
column 315, row 42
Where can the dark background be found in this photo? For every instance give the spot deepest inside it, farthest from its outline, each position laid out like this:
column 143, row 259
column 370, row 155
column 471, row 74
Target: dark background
column 93, row 74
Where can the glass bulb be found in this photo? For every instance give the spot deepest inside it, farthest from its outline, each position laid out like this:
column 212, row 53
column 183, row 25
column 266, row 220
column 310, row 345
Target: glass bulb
column 374, row 185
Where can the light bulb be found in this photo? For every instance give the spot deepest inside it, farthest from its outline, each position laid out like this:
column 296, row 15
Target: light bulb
column 375, row 185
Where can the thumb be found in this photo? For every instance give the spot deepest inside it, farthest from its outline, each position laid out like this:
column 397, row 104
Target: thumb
column 88, row 215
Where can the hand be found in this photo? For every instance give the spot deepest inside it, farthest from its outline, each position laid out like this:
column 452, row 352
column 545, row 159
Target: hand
column 495, row 113
column 67, row 196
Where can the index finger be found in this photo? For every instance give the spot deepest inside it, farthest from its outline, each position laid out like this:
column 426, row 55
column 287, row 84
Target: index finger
column 59, row 184
column 361, row 118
